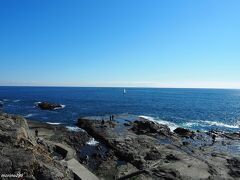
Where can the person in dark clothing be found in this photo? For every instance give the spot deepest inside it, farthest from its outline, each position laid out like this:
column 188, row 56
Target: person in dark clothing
column 102, row 122
column 112, row 118
column 213, row 139
column 36, row 133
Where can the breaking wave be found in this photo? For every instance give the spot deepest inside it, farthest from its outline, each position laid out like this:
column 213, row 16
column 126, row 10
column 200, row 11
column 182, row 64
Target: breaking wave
column 29, row 115
column 92, row 142
column 203, row 123
column 171, row 125
column 52, row 123
column 74, row 128
column 62, row 107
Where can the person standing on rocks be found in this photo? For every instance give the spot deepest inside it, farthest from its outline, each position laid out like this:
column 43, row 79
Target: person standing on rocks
column 102, row 122
column 36, row 133
column 213, row 139
column 111, row 117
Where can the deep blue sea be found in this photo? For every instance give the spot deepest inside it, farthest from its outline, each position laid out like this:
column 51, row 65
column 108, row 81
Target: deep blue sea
column 202, row 109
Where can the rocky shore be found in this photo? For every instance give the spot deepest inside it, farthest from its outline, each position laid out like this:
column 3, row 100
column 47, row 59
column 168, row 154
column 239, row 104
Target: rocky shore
column 50, row 155
column 149, row 150
column 127, row 147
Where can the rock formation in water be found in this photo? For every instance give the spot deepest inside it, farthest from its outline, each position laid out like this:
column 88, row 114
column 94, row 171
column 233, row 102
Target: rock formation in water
column 49, row 106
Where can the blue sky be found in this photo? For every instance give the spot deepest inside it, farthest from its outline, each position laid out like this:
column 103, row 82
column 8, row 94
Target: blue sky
column 146, row 43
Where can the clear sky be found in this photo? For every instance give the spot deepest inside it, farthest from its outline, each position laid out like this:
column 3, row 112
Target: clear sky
column 147, row 43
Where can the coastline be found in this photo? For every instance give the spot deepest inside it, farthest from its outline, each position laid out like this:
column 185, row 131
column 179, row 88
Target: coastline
column 124, row 148
column 45, row 156
column 156, row 152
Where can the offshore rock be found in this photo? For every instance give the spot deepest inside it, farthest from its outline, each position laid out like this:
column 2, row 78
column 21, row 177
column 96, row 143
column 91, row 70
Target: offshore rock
column 49, row 106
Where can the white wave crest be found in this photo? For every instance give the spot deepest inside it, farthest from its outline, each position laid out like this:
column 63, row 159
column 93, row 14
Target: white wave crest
column 62, row 107
column 210, row 123
column 36, row 103
column 74, row 128
column 52, row 123
column 171, row 125
column 220, row 124
column 92, row 142
column 29, row 115
column 16, row 100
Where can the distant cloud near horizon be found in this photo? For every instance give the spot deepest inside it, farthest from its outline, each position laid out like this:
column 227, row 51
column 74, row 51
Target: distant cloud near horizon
column 130, row 84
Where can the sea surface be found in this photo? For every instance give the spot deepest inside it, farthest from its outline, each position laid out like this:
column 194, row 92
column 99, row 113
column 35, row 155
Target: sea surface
column 197, row 109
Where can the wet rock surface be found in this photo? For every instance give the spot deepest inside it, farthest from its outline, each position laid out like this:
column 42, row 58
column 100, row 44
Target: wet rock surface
column 95, row 156
column 148, row 127
column 141, row 150
column 157, row 153
column 184, row 132
column 49, row 106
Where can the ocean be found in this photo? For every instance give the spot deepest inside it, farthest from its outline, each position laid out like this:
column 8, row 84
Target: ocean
column 197, row 109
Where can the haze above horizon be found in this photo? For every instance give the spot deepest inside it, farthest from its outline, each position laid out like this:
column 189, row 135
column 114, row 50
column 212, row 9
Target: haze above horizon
column 122, row 43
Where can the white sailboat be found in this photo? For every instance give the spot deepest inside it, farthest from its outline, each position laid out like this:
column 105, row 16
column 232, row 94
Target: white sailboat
column 124, row 91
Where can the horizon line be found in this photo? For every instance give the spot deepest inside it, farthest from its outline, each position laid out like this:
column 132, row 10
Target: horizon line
column 130, row 87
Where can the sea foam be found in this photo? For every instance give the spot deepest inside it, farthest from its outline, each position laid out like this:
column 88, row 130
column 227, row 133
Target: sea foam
column 29, row 115
column 92, row 142
column 62, row 107
column 75, row 129
column 210, row 123
column 171, row 125
column 53, row 123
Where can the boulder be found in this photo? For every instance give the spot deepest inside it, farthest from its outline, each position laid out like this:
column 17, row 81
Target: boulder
column 150, row 127
column 183, row 132
column 49, row 106
column 19, row 153
column 13, row 129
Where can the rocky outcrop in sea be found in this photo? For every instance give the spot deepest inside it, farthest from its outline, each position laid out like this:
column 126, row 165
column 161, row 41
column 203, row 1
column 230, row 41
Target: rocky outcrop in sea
column 49, row 106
